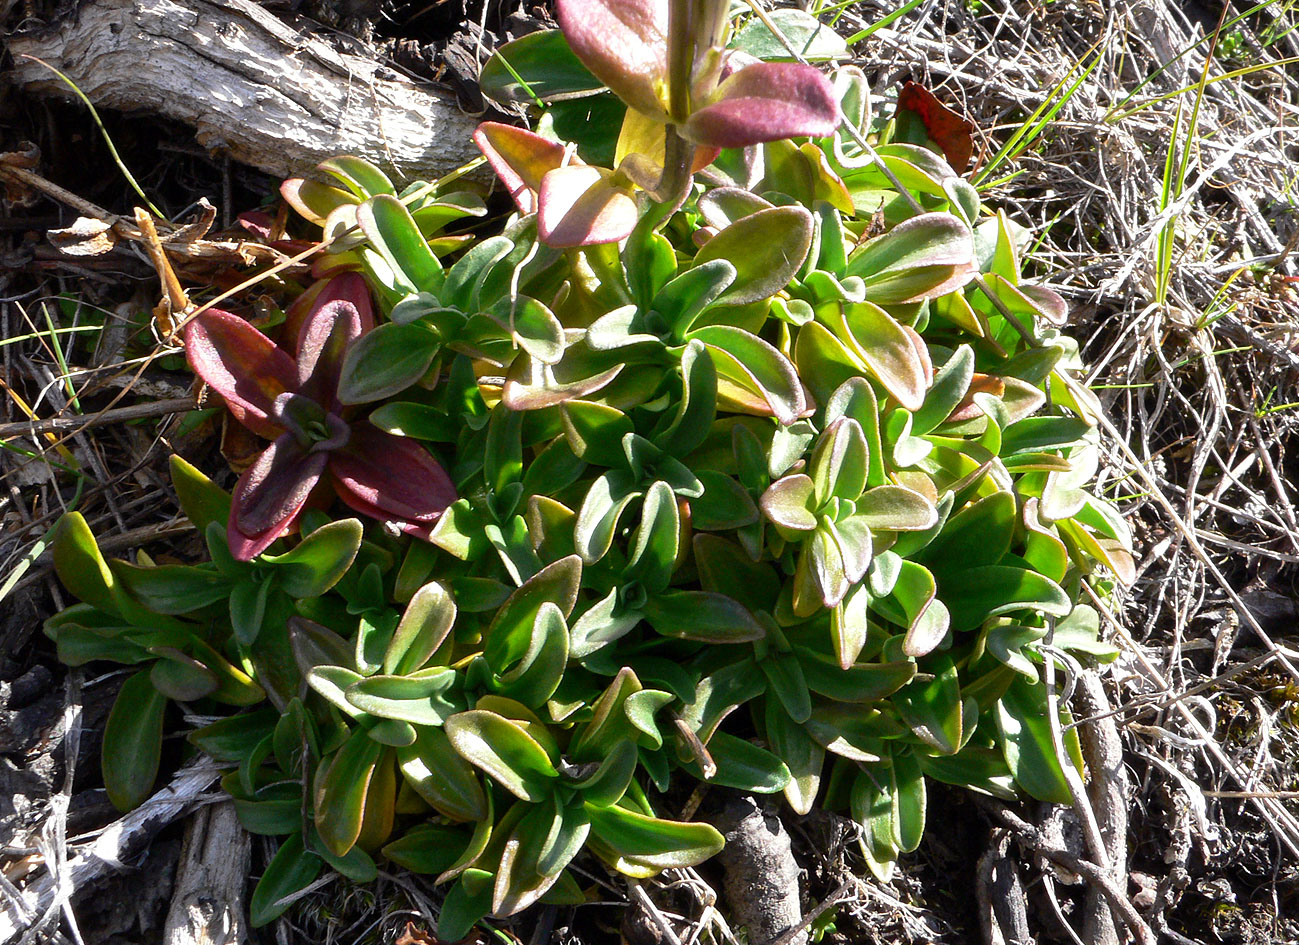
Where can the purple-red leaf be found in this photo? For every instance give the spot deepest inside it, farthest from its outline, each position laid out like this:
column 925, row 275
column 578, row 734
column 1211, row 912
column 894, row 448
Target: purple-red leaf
column 766, row 101
column 270, row 495
column 325, row 337
column 624, row 44
column 579, row 206
column 392, row 479
column 242, row 365
column 520, row 159
column 344, row 285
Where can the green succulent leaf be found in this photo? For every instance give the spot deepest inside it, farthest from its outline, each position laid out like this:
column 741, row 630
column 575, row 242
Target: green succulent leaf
column 502, row 748
column 766, row 249
column 424, row 627
column 391, row 230
column 291, row 870
column 318, row 562
column 932, row 707
column 420, row 698
column 1024, row 726
column 538, row 67
column 975, row 594
column 171, row 588
column 745, row 766
column 202, row 500
column 442, row 777
column 639, row 845
column 340, row 791
column 133, row 742
column 702, row 616
column 386, row 361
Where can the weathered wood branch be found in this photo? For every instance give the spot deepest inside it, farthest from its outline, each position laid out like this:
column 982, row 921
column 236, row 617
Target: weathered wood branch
column 260, row 90
column 116, row 846
column 207, row 907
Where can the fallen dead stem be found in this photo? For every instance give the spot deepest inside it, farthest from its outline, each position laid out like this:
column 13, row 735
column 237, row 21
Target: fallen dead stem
column 1199, row 383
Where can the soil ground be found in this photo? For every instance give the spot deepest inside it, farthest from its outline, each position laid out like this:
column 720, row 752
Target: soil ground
column 1196, row 355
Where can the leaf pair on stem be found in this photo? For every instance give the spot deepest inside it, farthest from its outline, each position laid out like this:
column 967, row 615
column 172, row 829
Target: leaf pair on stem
column 687, row 97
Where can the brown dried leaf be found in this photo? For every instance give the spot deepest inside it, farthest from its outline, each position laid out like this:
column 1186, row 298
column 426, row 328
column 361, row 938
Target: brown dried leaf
column 86, row 237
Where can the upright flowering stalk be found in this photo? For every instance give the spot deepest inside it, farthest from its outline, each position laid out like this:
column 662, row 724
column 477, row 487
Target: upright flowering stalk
column 293, row 401
column 686, row 96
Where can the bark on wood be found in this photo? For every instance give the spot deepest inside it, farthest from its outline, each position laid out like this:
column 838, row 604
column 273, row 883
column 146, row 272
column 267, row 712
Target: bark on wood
column 761, row 876
column 264, row 92
column 115, row 848
column 207, row 907
column 1107, row 791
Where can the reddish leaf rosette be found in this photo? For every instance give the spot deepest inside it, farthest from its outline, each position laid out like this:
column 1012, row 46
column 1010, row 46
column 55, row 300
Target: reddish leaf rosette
column 293, row 400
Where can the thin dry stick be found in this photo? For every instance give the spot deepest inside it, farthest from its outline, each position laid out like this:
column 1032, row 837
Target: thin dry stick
column 1100, row 878
column 74, row 425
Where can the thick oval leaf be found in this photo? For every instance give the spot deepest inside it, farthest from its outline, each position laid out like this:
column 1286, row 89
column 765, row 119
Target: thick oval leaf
column 640, row 845
column 884, row 346
column 133, row 742
column 839, row 462
column 810, row 38
column 949, row 388
column 340, row 791
column 932, row 707
column 424, row 626
column 976, row 594
column 702, row 616
column 291, row 870
column 861, row 682
column 580, row 205
column 172, row 588
column 921, row 258
column 427, row 848
column 1025, row 729
column 896, row 508
column 541, row 66
column 765, row 248
column 766, row 101
column 502, row 748
column 392, row 232
column 508, row 637
column 754, row 365
column 386, row 361
column 656, row 541
column 802, row 754
column 624, row 43
column 420, row 698
column 978, row 534
column 442, row 777
column 744, row 766
column 202, row 500
column 319, row 561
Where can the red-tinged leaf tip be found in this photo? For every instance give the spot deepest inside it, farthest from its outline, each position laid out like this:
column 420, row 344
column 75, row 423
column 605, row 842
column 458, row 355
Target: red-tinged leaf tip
column 520, row 159
column 322, row 344
column 350, row 287
column 270, row 495
column 257, row 222
column 580, row 207
column 391, row 479
column 763, row 102
column 952, row 133
column 624, row 44
column 242, row 365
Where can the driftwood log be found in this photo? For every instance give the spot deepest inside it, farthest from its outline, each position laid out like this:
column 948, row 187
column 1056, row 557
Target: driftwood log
column 253, row 87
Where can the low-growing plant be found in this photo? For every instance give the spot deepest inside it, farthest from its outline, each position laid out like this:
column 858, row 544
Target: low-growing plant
column 746, row 459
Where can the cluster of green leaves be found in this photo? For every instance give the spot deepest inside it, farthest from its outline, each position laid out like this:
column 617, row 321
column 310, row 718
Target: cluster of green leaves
column 769, row 495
